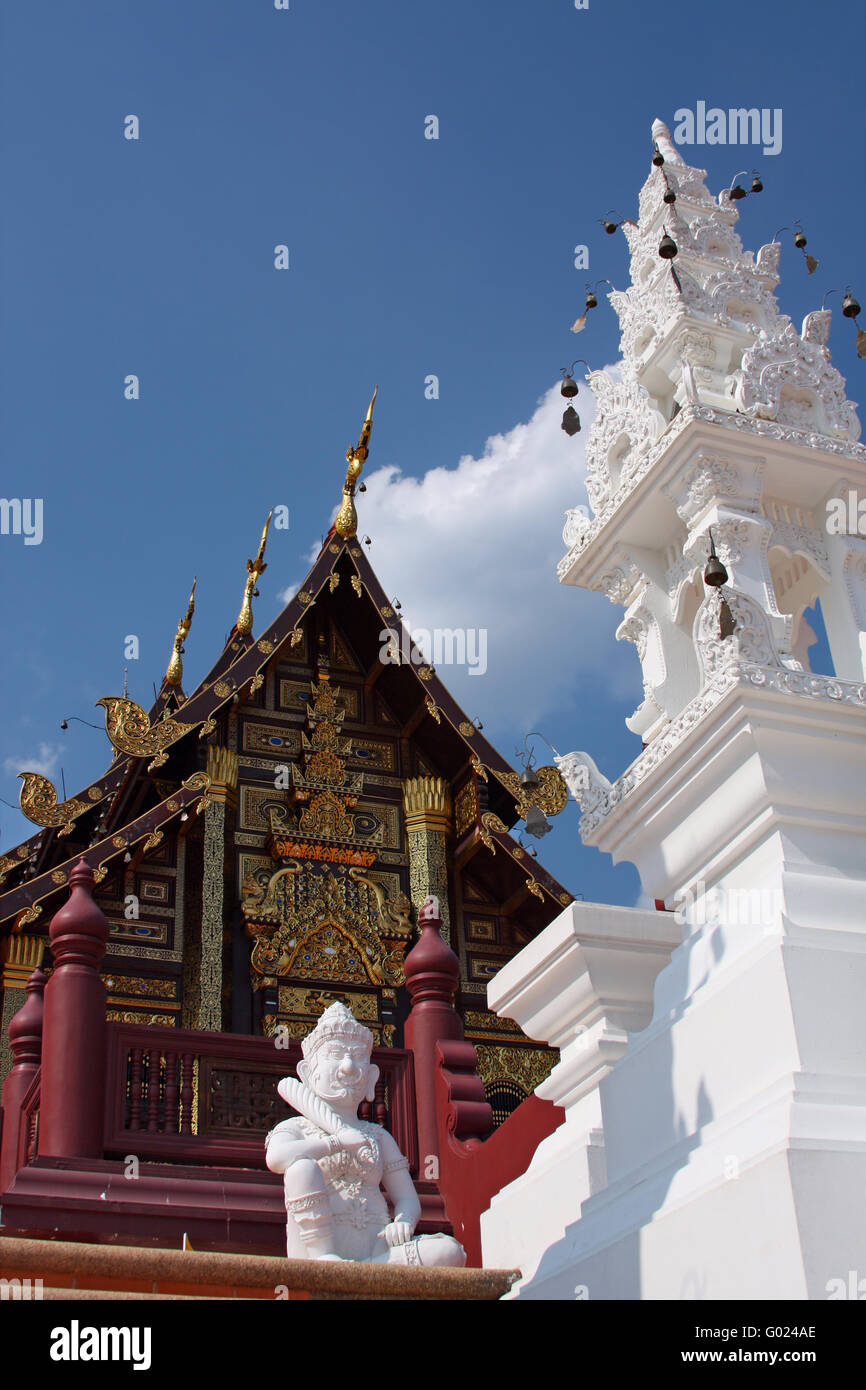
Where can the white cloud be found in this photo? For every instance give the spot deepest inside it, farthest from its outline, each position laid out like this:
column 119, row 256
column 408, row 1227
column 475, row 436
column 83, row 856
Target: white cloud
column 476, row 547
column 286, row 595
column 45, row 761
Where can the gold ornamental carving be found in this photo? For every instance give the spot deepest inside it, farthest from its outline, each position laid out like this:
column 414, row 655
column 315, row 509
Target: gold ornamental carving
column 38, row 801
column 130, row 731
column 551, row 796
column 427, row 802
column 319, row 922
column 346, row 521
column 527, row 1066
column 174, row 669
column 255, row 569
column 432, row 708
column 465, row 808
column 491, row 823
column 222, row 771
column 23, row 954
column 466, row 729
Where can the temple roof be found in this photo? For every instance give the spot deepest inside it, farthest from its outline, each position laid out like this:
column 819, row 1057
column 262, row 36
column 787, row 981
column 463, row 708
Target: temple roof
column 110, row 811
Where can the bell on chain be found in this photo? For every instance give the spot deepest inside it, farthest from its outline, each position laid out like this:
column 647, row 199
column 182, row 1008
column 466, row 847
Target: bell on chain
column 667, row 246
column 529, row 779
column 590, row 302
column 715, row 573
column 658, row 157
column 850, row 307
column 568, row 387
column 757, row 186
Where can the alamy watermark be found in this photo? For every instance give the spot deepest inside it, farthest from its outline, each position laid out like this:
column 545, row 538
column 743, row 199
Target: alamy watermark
column 22, row 516
column 846, row 516
column 20, row 1290
column 441, row 646
column 737, row 126
column 735, row 907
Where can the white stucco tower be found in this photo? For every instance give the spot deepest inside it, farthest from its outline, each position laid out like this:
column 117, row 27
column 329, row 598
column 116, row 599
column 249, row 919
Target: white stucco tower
column 729, row 1137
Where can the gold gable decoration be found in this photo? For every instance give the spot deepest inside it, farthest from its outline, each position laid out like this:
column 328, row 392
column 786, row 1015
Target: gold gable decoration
column 320, row 915
column 314, row 921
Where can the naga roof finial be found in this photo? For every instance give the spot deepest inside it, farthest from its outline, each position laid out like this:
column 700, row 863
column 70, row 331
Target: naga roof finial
column 346, row 523
column 255, row 568
column 174, row 669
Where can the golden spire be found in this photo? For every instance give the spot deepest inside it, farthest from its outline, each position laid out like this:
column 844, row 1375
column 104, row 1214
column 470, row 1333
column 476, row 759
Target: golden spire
column 346, row 523
column 256, row 567
column 174, row 669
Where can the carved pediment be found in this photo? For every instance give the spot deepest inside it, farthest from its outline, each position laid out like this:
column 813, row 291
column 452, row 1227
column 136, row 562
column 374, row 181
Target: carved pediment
column 792, row 381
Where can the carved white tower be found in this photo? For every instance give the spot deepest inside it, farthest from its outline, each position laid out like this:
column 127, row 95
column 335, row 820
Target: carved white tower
column 733, row 1128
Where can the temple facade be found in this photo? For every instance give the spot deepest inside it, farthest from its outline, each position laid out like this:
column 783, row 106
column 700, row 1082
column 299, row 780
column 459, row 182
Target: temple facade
column 261, row 845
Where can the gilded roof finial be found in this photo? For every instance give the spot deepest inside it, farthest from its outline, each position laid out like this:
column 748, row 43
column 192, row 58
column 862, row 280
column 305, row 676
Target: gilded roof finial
column 255, row 568
column 346, row 523
column 174, row 669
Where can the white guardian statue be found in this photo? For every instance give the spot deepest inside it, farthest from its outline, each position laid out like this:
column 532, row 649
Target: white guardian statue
column 335, row 1165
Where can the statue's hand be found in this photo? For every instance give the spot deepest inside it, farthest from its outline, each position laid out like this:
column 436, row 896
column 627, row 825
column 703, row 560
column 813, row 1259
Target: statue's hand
column 397, row 1233
column 357, row 1144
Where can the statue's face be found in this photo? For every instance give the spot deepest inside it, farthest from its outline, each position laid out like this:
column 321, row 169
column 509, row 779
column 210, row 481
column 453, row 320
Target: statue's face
column 342, row 1071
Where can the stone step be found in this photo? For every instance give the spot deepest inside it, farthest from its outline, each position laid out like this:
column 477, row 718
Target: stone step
column 72, row 1269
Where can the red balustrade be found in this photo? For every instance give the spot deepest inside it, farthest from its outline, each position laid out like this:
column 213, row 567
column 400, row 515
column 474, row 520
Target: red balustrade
column 210, row 1098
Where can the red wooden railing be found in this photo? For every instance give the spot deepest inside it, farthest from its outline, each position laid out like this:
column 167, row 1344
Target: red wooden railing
column 183, row 1096
column 471, row 1172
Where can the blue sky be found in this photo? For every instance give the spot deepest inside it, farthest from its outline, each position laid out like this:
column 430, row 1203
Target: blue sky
column 407, row 257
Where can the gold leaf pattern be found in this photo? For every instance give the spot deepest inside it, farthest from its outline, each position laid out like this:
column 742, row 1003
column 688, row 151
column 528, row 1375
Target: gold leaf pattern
column 490, row 823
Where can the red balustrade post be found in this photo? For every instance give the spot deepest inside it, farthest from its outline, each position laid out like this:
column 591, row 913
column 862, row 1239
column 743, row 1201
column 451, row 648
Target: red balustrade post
column 74, row 1034
column 25, row 1038
column 432, row 972
column 171, row 1125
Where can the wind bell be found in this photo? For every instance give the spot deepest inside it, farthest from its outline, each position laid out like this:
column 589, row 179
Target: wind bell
column 569, row 389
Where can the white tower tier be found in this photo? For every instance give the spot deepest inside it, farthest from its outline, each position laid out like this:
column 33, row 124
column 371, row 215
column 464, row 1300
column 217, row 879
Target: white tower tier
column 732, row 1129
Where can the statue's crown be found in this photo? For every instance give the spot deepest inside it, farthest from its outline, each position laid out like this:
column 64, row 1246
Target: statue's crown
column 336, row 1022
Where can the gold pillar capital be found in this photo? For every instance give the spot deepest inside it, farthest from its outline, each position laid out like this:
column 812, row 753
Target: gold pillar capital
column 427, row 804
column 23, row 954
column 222, row 769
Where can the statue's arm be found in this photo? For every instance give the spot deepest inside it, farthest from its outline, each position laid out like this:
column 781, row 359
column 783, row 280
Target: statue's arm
column 285, row 1144
column 398, row 1183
